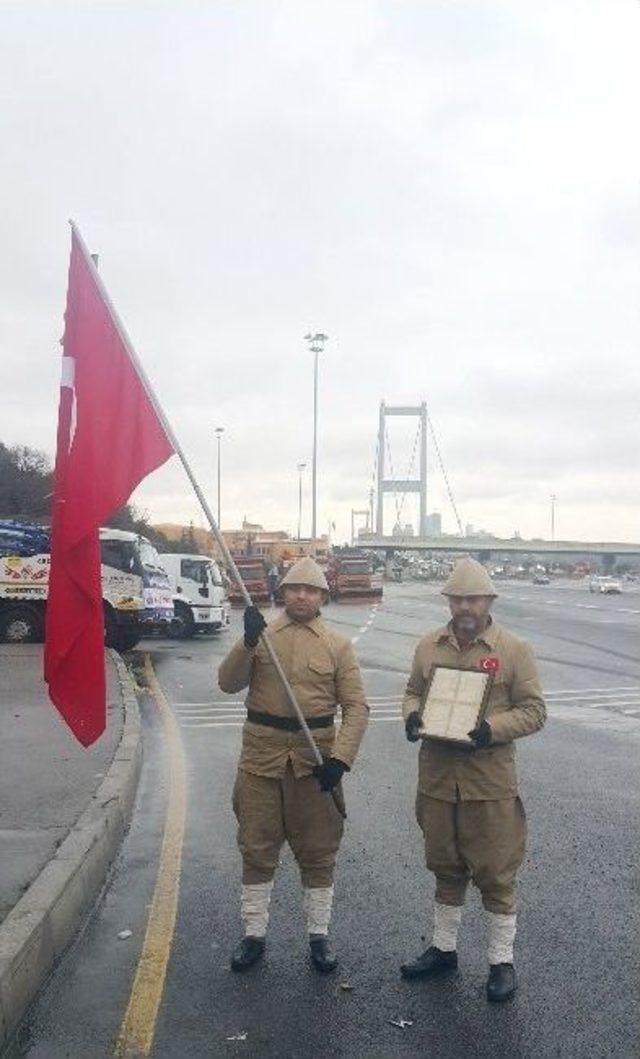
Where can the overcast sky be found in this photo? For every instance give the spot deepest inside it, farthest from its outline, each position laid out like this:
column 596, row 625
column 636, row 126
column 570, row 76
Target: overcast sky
column 449, row 190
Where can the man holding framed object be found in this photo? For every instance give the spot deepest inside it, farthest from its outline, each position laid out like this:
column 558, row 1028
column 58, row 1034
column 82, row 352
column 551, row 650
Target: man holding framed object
column 473, row 689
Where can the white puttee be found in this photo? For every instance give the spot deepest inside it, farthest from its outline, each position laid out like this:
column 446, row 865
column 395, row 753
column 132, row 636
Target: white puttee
column 254, row 908
column 502, row 935
column 446, row 923
column 317, row 903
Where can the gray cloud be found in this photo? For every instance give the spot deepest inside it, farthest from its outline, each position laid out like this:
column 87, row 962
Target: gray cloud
column 450, row 191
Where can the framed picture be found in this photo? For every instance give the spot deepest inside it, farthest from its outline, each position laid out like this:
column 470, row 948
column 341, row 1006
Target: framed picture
column 455, row 702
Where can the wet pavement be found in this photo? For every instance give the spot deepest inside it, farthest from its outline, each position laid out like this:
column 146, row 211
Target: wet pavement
column 575, row 956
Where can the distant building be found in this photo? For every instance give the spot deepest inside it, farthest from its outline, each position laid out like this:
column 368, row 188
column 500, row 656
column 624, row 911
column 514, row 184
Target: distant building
column 251, row 539
column 403, row 531
column 477, row 534
column 434, row 524
column 175, row 532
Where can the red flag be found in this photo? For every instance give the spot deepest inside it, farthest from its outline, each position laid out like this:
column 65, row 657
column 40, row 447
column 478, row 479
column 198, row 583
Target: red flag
column 109, row 439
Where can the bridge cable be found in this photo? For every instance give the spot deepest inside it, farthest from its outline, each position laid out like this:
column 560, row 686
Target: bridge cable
column 403, row 496
column 444, row 474
column 393, row 475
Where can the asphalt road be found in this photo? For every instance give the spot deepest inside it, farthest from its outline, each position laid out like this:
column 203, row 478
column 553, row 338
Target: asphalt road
column 577, row 953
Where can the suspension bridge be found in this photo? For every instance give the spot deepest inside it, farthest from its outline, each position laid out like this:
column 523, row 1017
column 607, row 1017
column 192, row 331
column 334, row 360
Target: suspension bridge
column 386, row 481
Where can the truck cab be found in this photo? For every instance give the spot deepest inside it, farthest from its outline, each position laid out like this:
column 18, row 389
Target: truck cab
column 25, row 562
column 199, row 598
column 350, row 576
column 252, row 572
column 143, row 561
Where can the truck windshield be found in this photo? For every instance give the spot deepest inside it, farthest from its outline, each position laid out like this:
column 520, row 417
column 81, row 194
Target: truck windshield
column 355, row 566
column 149, row 556
column 121, row 555
column 253, row 573
column 215, row 574
column 195, row 570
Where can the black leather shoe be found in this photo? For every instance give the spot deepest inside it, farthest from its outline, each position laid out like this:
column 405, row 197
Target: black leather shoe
column 501, row 984
column 323, row 958
column 432, row 962
column 246, row 953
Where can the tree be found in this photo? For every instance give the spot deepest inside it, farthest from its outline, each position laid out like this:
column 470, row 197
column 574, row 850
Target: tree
column 188, row 541
column 26, row 483
column 131, row 519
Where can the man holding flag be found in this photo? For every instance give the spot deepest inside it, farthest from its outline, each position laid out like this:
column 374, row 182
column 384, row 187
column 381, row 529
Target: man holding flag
column 280, row 794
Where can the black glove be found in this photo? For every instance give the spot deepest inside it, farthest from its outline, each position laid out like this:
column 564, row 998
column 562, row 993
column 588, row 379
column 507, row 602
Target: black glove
column 330, row 773
column 254, row 624
column 412, row 726
column 481, row 736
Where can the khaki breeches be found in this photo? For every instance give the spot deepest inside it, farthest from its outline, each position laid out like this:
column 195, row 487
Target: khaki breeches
column 272, row 811
column 483, row 841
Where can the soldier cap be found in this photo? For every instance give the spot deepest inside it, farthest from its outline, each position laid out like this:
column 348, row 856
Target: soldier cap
column 469, row 578
column 306, row 572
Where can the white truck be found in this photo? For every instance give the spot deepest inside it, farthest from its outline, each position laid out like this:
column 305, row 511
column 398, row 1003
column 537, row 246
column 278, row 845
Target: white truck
column 24, row 585
column 199, row 598
column 143, row 560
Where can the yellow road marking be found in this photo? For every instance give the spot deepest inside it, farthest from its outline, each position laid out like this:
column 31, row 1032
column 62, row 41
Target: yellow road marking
column 138, row 1027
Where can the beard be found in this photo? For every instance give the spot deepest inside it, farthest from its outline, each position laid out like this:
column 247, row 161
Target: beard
column 302, row 613
column 467, row 624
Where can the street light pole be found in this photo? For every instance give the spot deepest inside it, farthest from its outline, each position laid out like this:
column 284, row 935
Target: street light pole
column 219, row 433
column 301, row 467
column 316, row 345
column 553, row 516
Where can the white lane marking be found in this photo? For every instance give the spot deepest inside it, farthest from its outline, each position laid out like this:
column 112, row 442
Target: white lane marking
column 385, row 714
column 210, row 716
column 230, row 713
column 626, row 610
column 374, row 700
column 209, row 709
column 212, row 702
column 212, row 724
column 588, row 606
column 239, row 707
column 241, row 712
column 572, row 699
column 381, row 719
column 616, row 703
column 588, row 691
column 239, row 724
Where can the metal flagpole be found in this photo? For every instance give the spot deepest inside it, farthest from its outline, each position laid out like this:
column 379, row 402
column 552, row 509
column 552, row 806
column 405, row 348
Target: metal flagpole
column 133, row 356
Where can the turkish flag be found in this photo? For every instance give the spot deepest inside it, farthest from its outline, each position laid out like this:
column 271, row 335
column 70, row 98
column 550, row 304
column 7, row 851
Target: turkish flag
column 109, row 438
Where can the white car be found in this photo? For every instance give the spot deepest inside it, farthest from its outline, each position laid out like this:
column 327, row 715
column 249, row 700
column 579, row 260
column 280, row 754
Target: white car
column 605, row 585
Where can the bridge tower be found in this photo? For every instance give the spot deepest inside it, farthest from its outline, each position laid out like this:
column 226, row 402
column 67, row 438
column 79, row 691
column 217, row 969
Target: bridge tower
column 410, row 485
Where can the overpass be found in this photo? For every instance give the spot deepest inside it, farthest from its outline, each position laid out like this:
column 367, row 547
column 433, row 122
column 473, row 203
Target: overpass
column 484, row 548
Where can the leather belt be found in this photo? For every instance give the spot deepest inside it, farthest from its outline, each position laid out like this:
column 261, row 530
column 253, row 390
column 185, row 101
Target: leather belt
column 287, row 724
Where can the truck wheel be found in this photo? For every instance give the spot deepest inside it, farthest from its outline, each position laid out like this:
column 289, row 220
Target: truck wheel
column 183, row 626
column 115, row 636
column 125, row 640
column 21, row 625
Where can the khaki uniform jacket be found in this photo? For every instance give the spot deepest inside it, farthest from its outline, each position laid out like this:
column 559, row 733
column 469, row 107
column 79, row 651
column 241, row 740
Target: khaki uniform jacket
column 516, row 708
column 323, row 671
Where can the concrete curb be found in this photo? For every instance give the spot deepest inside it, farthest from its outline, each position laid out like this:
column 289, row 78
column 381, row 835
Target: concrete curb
column 40, row 927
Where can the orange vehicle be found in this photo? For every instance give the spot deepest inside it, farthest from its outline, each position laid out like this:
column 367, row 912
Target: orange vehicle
column 252, row 572
column 350, row 576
